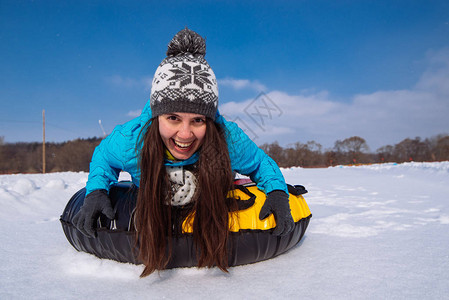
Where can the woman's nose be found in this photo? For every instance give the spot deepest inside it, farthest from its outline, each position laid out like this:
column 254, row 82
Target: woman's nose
column 185, row 132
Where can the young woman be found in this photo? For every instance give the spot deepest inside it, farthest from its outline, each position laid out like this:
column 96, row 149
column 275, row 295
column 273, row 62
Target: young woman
column 182, row 153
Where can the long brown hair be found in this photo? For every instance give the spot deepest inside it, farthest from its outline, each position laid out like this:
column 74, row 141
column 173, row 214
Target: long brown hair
column 152, row 217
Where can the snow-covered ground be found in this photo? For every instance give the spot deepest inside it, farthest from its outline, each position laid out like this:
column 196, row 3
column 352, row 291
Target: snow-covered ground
column 377, row 232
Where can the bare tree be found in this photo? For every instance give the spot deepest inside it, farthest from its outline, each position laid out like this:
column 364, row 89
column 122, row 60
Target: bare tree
column 276, row 152
column 385, row 154
column 442, row 148
column 351, row 150
column 409, row 150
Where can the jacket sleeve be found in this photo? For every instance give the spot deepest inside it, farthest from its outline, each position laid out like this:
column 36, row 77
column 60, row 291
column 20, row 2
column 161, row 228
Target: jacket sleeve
column 116, row 152
column 248, row 159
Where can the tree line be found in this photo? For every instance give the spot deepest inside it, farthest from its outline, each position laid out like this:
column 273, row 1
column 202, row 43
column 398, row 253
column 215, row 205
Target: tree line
column 27, row 157
column 355, row 150
column 76, row 155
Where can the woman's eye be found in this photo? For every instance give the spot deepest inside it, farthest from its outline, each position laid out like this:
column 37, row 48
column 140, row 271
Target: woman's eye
column 199, row 120
column 172, row 118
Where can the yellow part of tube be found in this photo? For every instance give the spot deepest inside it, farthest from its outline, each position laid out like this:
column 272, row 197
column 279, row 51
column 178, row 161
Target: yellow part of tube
column 249, row 218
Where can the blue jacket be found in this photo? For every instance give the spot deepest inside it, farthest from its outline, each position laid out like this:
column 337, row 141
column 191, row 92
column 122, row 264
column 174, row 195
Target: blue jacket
column 120, row 151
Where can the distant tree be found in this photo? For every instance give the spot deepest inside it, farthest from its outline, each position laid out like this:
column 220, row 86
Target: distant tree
column 298, row 154
column 310, row 154
column 295, row 155
column 385, row 154
column 442, row 148
column 353, row 144
column 331, row 158
column 351, row 150
column 74, row 155
column 27, row 157
column 2, row 157
column 416, row 150
column 275, row 151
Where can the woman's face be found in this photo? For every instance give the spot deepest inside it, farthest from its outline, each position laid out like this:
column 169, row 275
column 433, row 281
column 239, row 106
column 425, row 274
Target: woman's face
column 182, row 133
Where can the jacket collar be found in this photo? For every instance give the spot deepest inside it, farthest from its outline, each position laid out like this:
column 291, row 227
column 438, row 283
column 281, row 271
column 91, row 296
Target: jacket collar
column 171, row 161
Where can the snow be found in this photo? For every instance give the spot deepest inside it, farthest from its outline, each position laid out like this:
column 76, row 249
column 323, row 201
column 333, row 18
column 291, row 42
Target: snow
column 377, row 231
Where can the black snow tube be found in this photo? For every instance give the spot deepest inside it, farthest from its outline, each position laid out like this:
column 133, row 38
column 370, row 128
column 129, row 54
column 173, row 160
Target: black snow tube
column 250, row 238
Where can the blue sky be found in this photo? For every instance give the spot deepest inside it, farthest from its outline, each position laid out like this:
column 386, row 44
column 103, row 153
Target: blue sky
column 329, row 69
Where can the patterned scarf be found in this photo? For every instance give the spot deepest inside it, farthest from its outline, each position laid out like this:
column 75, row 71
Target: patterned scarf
column 183, row 182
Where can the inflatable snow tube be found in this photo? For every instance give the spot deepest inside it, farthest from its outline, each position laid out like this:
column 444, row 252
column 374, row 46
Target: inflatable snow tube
column 250, row 238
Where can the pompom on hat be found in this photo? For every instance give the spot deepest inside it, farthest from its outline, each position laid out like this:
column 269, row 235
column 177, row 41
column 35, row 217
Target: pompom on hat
column 184, row 81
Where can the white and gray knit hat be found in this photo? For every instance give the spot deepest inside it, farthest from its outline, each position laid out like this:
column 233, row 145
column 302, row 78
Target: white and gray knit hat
column 184, row 81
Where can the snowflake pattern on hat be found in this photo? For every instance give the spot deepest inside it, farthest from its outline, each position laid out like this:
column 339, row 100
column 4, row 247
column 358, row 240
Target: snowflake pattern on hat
column 184, row 86
column 187, row 74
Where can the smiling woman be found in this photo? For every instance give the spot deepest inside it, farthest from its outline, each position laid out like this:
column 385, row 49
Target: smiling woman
column 182, row 154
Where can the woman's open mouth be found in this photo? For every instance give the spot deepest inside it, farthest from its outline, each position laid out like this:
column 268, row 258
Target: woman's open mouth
column 182, row 146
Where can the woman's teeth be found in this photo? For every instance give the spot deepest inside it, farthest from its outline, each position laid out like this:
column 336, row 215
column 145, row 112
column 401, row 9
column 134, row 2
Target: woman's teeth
column 183, row 145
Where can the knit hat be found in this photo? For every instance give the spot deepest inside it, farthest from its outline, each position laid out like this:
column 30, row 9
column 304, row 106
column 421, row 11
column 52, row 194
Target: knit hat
column 184, row 81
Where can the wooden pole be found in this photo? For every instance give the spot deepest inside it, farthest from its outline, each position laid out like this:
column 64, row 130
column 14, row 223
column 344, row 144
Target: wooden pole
column 43, row 141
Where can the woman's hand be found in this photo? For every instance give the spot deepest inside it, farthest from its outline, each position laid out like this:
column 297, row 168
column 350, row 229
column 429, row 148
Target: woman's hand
column 277, row 203
column 95, row 203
